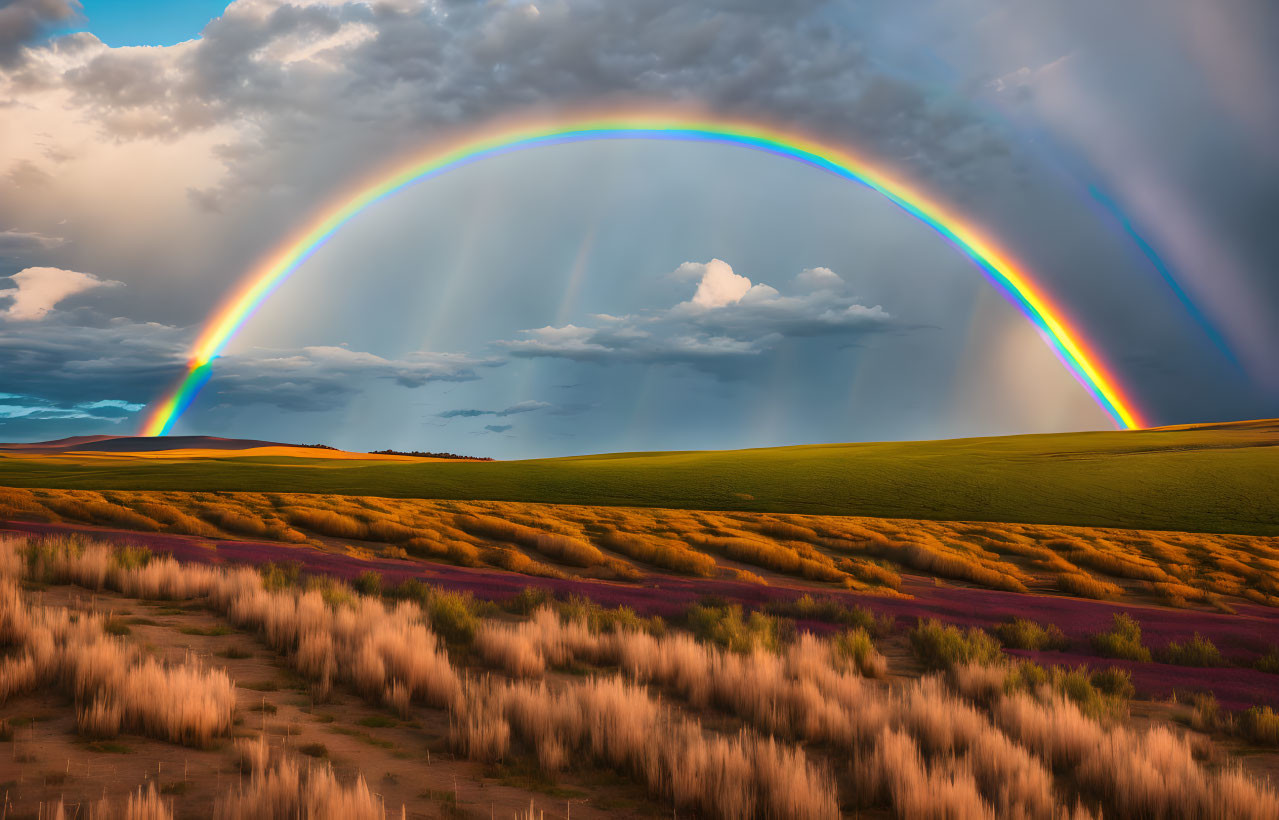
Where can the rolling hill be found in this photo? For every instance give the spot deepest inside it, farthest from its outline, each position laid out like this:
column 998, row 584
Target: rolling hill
column 1203, row 478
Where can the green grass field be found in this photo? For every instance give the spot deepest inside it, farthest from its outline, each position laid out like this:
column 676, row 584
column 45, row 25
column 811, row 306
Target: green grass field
column 1213, row 478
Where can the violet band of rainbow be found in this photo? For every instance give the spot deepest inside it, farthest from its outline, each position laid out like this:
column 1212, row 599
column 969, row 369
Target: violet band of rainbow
column 1011, row 280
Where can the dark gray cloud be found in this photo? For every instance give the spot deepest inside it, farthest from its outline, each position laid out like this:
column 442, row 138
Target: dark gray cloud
column 24, row 244
column 21, row 21
column 306, row 81
column 498, row 428
column 514, row 410
column 51, row 365
column 325, row 378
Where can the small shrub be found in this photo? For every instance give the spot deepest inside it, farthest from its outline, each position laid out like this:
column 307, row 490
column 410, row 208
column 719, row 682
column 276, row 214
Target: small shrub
column 728, row 627
column 1268, row 662
column 1260, row 725
column 453, row 616
column 806, row 607
column 1022, row 633
column 410, row 589
column 943, row 647
column 1204, row 712
column 334, row 592
column 527, row 600
column 314, row 750
column 1198, row 651
column 1122, row 641
column 281, row 575
column 115, row 626
column 1025, row 676
column 854, row 646
column 1115, row 682
column 368, row 583
column 131, row 557
column 604, row 619
column 1077, row 685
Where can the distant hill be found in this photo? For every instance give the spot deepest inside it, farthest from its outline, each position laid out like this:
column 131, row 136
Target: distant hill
column 57, row 444
column 209, row 445
column 1205, row 478
column 140, row 444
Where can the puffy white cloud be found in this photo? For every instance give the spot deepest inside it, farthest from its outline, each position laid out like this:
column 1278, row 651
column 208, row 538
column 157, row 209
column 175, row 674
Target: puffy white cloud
column 39, row 290
column 718, row 285
column 819, row 279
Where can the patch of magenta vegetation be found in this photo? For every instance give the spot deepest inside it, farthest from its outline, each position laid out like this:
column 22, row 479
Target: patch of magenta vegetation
column 1241, row 637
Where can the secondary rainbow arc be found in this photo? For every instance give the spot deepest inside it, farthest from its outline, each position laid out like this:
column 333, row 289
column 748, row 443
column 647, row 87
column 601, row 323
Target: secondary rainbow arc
column 1010, row 279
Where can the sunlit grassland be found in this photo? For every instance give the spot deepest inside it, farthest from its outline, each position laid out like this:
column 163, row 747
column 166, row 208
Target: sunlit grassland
column 1199, row 570
column 1223, row 478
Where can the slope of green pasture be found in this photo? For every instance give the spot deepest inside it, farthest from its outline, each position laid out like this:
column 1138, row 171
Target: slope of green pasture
column 1213, row 478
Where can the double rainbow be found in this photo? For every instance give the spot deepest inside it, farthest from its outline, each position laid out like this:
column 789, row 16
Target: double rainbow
column 1010, row 279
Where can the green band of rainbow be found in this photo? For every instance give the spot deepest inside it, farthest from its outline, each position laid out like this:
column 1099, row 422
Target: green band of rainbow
column 1011, row 280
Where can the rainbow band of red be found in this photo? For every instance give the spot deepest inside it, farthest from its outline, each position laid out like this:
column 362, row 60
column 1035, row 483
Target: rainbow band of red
column 1010, row 279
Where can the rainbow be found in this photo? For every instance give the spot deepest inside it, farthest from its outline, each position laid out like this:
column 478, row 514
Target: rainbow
column 1009, row 279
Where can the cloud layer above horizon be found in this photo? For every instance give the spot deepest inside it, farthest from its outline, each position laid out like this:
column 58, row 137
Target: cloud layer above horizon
column 675, row 295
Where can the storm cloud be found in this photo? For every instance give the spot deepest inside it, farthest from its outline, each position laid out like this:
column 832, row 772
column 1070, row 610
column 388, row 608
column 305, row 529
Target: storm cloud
column 21, row 21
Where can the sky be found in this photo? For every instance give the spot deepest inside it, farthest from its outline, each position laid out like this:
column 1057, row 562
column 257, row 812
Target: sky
column 635, row 295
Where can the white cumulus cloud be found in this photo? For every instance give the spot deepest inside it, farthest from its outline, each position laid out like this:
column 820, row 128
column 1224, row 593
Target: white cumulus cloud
column 39, row 290
column 719, row 286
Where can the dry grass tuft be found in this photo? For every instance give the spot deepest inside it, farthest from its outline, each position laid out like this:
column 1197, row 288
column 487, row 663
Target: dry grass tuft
column 662, row 552
column 280, row 788
column 327, row 522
